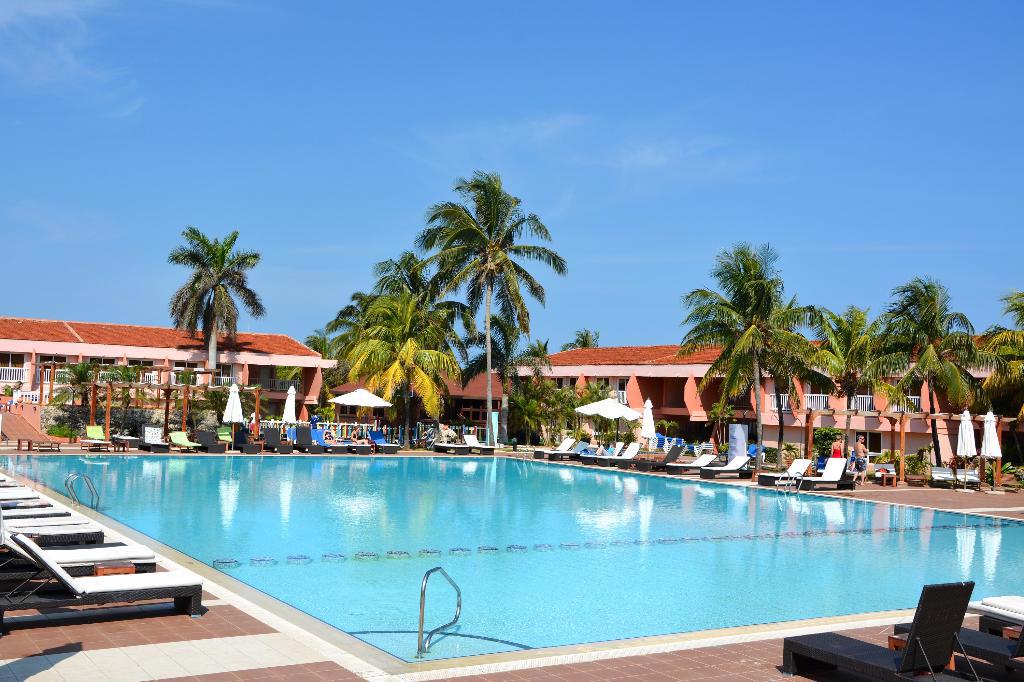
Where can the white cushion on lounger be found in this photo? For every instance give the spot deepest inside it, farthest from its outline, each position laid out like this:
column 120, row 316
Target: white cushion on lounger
column 734, row 464
column 26, row 512
column 16, row 523
column 56, row 530
column 135, row 581
column 701, row 461
column 92, row 555
column 1008, row 604
column 18, row 494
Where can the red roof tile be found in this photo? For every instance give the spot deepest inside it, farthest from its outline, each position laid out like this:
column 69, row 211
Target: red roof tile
column 137, row 335
column 631, row 355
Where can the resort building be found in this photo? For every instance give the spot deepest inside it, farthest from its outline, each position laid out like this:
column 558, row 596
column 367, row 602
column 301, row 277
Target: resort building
column 657, row 373
column 32, row 353
column 463, row 405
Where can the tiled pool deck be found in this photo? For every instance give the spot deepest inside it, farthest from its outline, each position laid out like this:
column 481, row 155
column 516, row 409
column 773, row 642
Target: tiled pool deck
column 246, row 638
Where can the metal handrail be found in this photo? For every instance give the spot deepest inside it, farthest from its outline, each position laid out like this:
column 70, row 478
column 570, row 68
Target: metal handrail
column 69, row 485
column 423, row 645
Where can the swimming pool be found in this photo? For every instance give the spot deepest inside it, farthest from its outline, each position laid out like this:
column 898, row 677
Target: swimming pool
column 547, row 555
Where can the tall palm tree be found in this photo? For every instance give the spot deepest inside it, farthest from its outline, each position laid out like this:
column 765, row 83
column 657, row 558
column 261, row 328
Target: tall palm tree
column 937, row 345
column 748, row 318
column 404, row 347
column 328, row 346
column 207, row 299
column 853, row 356
column 78, row 379
column 1007, row 379
column 480, row 246
column 584, row 338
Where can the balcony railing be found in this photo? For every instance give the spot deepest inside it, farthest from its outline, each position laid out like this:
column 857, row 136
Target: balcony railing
column 816, row 401
column 61, row 376
column 12, row 374
column 782, row 400
column 915, row 405
column 621, row 395
column 864, row 403
column 283, row 384
column 225, row 381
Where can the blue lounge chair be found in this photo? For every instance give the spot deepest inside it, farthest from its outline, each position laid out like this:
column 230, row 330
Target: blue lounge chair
column 381, row 443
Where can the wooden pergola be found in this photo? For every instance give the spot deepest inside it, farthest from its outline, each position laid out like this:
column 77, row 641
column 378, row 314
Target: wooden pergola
column 900, row 420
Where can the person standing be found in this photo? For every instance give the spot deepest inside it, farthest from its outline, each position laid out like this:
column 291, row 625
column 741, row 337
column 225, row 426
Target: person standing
column 860, row 461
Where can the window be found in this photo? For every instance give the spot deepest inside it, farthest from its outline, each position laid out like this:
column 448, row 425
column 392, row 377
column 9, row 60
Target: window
column 56, row 359
column 622, row 384
column 140, row 363
column 12, row 359
column 103, row 361
column 872, row 440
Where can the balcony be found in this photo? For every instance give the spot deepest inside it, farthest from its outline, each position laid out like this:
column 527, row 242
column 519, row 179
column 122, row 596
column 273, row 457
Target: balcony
column 621, row 395
column 12, row 374
column 864, row 403
column 283, row 384
column 915, row 405
column 782, row 400
column 225, row 381
column 816, row 401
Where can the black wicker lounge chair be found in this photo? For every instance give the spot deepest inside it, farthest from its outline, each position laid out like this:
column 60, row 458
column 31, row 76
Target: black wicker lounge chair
column 53, row 587
column 304, row 441
column 208, row 442
column 652, row 465
column 451, row 448
column 931, row 641
column 272, row 442
column 359, row 448
column 78, row 561
column 982, row 645
column 243, row 445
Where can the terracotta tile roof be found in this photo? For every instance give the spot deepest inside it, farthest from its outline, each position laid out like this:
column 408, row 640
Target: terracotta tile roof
column 476, row 388
column 138, row 335
column 631, row 355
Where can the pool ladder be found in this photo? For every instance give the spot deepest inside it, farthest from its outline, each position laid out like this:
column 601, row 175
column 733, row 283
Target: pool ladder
column 69, row 485
column 423, row 644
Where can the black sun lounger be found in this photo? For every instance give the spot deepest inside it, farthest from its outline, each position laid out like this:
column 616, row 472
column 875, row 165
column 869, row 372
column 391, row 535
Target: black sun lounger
column 243, row 445
column 931, row 641
column 208, row 443
column 56, row 588
column 647, row 465
column 77, row 560
column 979, row 644
column 272, row 442
column 304, row 441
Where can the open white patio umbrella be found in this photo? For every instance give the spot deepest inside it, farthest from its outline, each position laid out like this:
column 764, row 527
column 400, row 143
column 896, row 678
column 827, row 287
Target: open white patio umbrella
column 990, row 446
column 647, row 423
column 360, row 398
column 966, row 447
column 289, row 407
column 233, row 410
column 609, row 408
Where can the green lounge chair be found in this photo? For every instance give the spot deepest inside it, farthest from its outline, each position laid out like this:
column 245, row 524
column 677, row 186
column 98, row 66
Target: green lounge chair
column 179, row 439
column 95, row 438
column 224, row 434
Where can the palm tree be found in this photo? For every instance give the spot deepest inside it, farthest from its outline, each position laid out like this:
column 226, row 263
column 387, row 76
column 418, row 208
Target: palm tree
column 481, row 247
column 584, row 338
column 404, row 347
column 78, row 380
column 746, row 320
column 328, row 346
column 1007, row 379
column 937, row 345
column 853, row 356
column 206, row 300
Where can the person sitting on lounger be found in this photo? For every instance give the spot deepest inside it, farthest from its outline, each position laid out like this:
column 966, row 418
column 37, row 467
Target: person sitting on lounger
column 328, row 435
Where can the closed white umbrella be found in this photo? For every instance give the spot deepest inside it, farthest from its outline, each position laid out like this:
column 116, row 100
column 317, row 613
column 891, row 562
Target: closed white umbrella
column 360, row 398
column 647, row 423
column 990, row 446
column 289, row 407
column 966, row 448
column 233, row 410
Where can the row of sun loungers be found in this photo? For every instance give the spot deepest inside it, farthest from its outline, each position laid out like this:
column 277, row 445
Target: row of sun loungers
column 49, row 557
column 469, row 445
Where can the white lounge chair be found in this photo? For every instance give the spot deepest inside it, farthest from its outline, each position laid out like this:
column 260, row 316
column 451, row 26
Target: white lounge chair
column 963, row 478
column 8, row 494
column 600, row 459
column 564, row 446
column 689, row 467
column 834, row 473
column 1008, row 609
column 737, row 465
column 789, row 477
column 474, row 444
column 627, row 458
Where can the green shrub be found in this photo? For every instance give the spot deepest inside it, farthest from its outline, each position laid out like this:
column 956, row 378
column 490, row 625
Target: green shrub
column 824, row 436
column 61, row 431
column 771, row 455
column 916, row 465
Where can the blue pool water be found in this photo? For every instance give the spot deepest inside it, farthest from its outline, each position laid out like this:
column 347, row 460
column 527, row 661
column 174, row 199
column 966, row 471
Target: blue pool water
column 579, row 555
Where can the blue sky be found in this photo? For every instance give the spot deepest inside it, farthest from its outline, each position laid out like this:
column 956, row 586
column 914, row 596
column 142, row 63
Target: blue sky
column 868, row 142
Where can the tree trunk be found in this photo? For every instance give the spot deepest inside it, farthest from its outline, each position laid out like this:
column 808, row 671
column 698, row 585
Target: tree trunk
column 503, row 419
column 758, row 405
column 782, row 429
column 935, row 427
column 487, row 340
column 850, row 401
column 211, row 353
column 408, row 417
